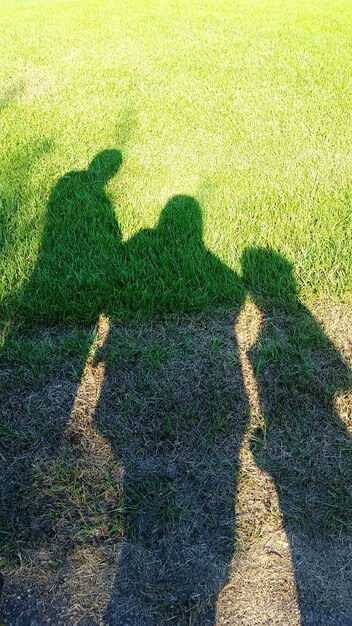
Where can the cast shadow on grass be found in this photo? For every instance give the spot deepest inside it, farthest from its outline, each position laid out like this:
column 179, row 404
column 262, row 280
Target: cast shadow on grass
column 84, row 271
column 305, row 447
column 181, row 473
column 175, row 420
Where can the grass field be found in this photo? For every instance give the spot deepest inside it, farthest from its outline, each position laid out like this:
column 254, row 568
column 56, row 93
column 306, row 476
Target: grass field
column 175, row 312
column 241, row 107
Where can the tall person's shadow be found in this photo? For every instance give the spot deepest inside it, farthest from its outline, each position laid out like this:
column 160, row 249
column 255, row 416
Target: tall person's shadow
column 303, row 444
column 69, row 284
column 79, row 249
column 174, row 410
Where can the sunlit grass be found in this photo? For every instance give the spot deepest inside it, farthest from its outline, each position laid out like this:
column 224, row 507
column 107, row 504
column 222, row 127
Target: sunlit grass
column 243, row 106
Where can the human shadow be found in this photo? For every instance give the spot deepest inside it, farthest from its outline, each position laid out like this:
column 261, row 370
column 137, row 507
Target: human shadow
column 303, row 443
column 174, row 412
column 173, row 406
column 79, row 249
column 80, row 241
column 169, row 269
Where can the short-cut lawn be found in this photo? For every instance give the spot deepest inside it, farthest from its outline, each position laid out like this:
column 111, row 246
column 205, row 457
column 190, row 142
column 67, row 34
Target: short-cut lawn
column 243, row 108
column 175, row 312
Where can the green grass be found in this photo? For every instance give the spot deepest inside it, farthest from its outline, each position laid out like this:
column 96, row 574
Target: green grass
column 228, row 125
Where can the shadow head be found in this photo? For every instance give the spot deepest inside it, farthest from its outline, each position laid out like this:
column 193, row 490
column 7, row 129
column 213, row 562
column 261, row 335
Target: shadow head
column 269, row 278
column 105, row 165
column 181, row 220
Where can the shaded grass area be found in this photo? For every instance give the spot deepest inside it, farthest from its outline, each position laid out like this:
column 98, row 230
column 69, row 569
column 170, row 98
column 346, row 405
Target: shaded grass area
column 84, row 268
column 243, row 107
column 142, row 454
